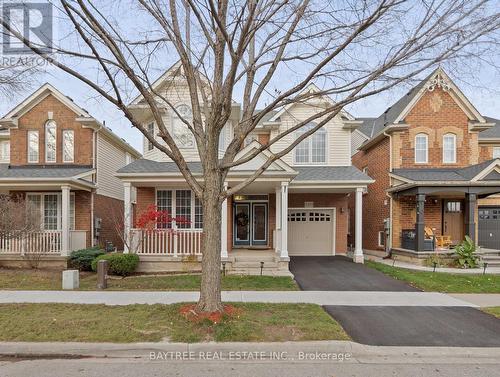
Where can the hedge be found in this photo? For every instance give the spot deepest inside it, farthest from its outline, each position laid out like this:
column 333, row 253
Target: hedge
column 119, row 264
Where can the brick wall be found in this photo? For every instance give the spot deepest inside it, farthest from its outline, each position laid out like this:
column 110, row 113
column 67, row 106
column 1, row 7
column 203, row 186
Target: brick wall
column 436, row 114
column 338, row 201
column 375, row 202
column 111, row 211
column 145, row 197
column 83, row 220
column 35, row 119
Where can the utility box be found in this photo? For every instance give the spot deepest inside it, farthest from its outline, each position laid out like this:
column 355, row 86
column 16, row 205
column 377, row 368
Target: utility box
column 70, row 279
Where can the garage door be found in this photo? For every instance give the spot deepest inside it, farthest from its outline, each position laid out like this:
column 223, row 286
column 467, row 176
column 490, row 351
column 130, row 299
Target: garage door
column 311, row 231
column 489, row 227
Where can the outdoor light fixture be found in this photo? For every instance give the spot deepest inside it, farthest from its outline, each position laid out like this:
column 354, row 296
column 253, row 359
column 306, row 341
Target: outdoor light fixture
column 484, row 267
column 261, row 267
column 223, row 268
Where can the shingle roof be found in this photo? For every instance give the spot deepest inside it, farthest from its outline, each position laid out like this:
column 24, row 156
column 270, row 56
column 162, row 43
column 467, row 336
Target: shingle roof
column 148, row 166
column 493, row 132
column 7, row 171
column 443, row 174
column 329, row 173
column 367, row 126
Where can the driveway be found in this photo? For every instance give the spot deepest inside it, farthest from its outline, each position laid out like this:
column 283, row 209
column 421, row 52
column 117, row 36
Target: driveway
column 418, row 325
column 338, row 273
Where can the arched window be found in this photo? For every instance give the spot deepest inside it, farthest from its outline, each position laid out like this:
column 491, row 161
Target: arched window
column 182, row 135
column 311, row 150
column 50, row 141
column 421, row 149
column 449, row 148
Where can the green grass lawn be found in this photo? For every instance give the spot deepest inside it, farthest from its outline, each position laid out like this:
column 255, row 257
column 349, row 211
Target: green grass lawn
column 441, row 281
column 51, row 280
column 152, row 323
column 494, row 310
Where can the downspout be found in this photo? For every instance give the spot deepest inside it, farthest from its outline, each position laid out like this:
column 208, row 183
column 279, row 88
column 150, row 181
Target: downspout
column 94, row 166
column 389, row 246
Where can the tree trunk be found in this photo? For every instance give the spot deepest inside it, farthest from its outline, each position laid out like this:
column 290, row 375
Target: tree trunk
column 210, row 291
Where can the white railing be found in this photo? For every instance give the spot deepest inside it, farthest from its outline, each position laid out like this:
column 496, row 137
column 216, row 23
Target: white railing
column 45, row 242
column 167, row 242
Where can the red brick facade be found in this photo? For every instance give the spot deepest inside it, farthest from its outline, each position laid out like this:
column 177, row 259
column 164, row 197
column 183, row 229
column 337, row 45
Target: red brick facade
column 111, row 211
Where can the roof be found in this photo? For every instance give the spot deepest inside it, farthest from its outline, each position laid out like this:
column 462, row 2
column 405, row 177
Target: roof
column 44, row 171
column 330, row 173
column 266, row 116
column 366, row 127
column 443, row 174
column 493, row 132
column 305, row 173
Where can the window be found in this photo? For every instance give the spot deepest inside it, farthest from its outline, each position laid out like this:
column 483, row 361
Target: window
column 381, row 238
column 49, row 206
column 32, row 146
column 151, row 131
column 421, row 149
column 68, row 146
column 50, row 141
column 183, row 204
column 496, row 152
column 181, row 133
column 5, row 151
column 449, row 148
column 312, row 150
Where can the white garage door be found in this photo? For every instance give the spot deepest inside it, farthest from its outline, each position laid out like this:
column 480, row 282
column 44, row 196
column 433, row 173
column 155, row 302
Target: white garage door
column 311, row 231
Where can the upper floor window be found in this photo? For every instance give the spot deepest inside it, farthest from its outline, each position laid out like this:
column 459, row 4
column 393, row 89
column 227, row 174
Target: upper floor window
column 421, row 149
column 311, row 150
column 32, row 146
column 68, row 146
column 50, row 141
column 151, row 131
column 496, row 152
column 181, row 132
column 5, row 151
column 449, row 148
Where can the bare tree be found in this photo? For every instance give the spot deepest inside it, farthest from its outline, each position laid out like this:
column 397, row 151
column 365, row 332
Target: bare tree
column 264, row 53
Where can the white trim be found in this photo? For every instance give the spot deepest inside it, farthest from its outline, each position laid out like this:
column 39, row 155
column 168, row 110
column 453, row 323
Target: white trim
column 32, row 132
column 174, row 204
column 42, row 194
column 378, row 238
column 454, row 137
column 487, row 170
column 53, row 124
column 426, row 148
column 64, row 132
column 309, row 139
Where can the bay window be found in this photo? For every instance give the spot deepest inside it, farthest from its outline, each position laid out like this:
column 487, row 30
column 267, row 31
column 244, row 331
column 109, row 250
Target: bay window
column 50, row 141
column 183, row 204
column 32, row 146
column 68, row 146
column 311, row 150
column 449, row 149
column 421, row 149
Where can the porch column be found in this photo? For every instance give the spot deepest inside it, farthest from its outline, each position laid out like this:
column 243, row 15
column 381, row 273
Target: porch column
column 420, row 223
column 65, row 237
column 127, row 216
column 470, row 218
column 223, row 230
column 358, row 227
column 277, row 241
column 284, row 220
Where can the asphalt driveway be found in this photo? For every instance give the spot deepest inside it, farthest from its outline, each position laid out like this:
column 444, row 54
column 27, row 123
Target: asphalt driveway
column 338, row 273
column 418, row 325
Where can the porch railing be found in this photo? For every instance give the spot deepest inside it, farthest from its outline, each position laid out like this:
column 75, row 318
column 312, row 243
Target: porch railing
column 167, row 242
column 44, row 242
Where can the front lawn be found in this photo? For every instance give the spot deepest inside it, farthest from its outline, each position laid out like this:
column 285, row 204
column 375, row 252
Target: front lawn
column 51, row 280
column 153, row 323
column 441, row 281
column 494, row 311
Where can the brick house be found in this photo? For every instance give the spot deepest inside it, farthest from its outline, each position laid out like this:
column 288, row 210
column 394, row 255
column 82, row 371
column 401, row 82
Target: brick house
column 297, row 207
column 59, row 158
column 434, row 159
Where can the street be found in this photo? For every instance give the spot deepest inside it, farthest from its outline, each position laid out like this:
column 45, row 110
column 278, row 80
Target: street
column 132, row 368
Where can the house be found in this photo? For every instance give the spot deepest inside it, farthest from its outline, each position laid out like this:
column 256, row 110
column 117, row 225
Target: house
column 299, row 206
column 60, row 159
column 434, row 159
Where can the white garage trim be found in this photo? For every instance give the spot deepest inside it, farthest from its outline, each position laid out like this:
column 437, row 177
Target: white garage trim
column 334, row 221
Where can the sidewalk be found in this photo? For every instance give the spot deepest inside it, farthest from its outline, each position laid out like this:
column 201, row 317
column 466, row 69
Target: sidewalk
column 330, row 298
column 343, row 351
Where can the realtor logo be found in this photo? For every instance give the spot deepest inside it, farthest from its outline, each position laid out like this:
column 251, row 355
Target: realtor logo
column 33, row 21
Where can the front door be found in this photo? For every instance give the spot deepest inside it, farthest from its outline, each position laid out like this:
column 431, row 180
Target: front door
column 453, row 220
column 250, row 224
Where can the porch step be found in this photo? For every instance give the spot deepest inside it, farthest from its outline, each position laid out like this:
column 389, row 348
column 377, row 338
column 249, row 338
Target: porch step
column 492, row 260
column 253, row 264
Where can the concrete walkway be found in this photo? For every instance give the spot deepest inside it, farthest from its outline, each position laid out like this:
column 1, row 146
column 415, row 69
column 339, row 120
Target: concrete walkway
column 336, row 298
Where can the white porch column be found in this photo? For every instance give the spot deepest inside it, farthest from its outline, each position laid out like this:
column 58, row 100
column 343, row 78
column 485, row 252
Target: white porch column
column 358, row 231
column 65, row 208
column 127, row 216
column 284, row 220
column 277, row 241
column 223, row 229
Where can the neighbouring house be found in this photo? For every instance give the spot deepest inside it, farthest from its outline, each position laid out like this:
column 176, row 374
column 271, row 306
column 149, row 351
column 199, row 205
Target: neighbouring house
column 299, row 206
column 60, row 159
column 434, row 159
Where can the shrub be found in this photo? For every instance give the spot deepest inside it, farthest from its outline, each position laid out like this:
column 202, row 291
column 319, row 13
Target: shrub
column 465, row 253
column 119, row 264
column 82, row 259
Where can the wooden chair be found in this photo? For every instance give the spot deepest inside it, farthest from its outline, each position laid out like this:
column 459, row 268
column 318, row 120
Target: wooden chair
column 441, row 241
